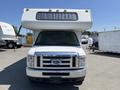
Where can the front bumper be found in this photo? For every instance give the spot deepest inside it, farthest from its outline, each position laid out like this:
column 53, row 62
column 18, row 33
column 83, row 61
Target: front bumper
column 39, row 73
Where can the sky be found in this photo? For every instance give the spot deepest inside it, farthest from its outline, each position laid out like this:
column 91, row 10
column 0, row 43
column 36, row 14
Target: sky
column 105, row 13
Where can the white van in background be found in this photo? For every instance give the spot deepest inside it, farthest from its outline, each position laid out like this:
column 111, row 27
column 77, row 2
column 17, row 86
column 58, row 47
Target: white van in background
column 84, row 39
column 56, row 55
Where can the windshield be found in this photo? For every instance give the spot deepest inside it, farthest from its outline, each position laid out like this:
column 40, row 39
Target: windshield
column 57, row 38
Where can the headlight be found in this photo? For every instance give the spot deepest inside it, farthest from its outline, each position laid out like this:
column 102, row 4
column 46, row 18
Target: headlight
column 30, row 61
column 81, row 61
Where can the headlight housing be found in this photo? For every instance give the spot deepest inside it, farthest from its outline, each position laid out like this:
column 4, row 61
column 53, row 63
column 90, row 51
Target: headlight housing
column 30, row 61
column 81, row 61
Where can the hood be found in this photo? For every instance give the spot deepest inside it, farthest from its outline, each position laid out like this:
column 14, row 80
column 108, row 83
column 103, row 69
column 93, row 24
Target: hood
column 66, row 49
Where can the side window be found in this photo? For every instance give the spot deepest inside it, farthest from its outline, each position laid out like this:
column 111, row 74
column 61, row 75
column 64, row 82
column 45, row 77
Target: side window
column 74, row 17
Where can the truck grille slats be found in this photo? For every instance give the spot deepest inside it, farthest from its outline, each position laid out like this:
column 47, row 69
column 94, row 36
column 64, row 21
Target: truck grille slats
column 46, row 61
column 56, row 57
column 59, row 61
column 56, row 61
column 38, row 61
column 74, row 61
column 65, row 61
column 56, row 65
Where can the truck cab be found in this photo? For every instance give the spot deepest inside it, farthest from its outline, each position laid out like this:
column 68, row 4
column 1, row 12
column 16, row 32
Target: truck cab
column 56, row 54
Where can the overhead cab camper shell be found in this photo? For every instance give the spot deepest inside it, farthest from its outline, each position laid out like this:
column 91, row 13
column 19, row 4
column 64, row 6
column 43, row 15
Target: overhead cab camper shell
column 67, row 19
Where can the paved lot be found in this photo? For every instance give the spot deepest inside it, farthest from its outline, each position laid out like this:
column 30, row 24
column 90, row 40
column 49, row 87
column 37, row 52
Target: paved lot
column 103, row 72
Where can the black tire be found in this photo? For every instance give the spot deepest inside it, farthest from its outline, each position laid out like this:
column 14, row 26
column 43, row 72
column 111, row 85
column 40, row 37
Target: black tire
column 10, row 45
column 78, row 82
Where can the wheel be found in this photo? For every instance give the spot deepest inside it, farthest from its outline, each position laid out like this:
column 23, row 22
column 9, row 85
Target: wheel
column 10, row 45
column 78, row 82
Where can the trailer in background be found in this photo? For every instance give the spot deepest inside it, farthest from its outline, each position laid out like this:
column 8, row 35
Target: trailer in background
column 8, row 37
column 109, row 41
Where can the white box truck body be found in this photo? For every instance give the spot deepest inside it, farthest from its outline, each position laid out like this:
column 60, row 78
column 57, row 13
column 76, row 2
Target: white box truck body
column 109, row 41
column 56, row 55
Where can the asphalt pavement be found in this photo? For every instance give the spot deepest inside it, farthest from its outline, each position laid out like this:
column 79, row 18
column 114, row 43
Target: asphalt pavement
column 103, row 72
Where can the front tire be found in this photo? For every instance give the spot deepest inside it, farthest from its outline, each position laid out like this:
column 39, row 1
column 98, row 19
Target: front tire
column 10, row 45
column 77, row 82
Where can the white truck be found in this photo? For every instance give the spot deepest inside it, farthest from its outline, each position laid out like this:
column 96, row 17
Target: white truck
column 8, row 36
column 84, row 39
column 109, row 41
column 56, row 55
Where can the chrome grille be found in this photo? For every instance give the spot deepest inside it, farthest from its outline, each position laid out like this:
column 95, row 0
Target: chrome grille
column 56, row 60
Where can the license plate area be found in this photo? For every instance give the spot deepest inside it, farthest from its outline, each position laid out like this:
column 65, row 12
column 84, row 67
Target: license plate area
column 55, row 74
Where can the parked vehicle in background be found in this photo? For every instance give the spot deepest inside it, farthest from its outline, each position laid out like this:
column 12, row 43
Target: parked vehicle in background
column 84, row 39
column 8, row 36
column 56, row 55
column 109, row 41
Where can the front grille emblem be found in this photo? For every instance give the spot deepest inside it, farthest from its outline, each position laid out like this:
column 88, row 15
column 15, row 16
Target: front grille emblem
column 55, row 61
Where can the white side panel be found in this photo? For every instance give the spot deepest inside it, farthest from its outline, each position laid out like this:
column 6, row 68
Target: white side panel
column 7, row 29
column 7, row 32
column 9, row 37
column 109, row 41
